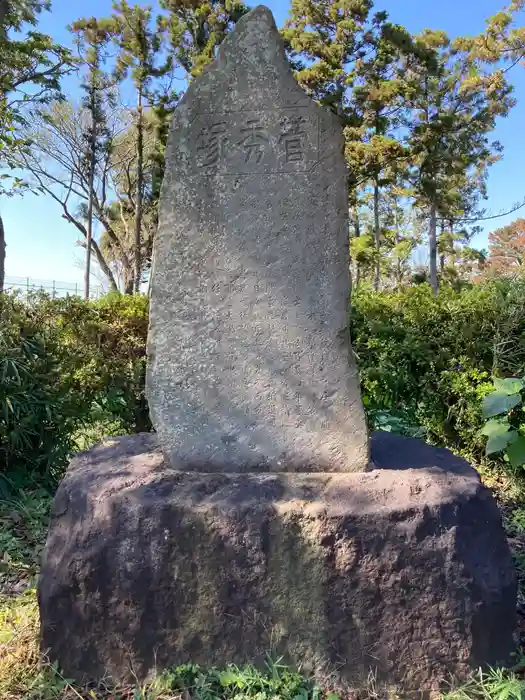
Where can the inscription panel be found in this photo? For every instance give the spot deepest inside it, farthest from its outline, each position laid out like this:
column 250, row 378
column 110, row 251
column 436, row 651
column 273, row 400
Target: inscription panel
column 267, row 141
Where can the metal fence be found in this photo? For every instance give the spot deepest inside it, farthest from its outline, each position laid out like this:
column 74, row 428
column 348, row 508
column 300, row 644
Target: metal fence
column 26, row 285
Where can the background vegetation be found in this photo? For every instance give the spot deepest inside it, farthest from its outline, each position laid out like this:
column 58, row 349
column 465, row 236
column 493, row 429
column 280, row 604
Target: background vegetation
column 73, row 370
column 429, row 360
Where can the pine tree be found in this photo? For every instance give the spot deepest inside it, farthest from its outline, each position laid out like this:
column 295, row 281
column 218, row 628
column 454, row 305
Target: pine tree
column 31, row 67
column 196, row 29
column 401, row 234
column 375, row 148
column 92, row 37
column 449, row 124
column 326, row 41
column 119, row 212
column 140, row 57
column 460, row 204
column 350, row 61
column 500, row 47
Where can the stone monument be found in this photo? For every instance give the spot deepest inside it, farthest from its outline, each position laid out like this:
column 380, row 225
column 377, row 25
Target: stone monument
column 249, row 362
column 249, row 525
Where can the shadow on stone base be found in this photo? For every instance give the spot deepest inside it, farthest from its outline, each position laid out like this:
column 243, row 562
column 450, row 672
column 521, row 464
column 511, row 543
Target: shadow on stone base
column 403, row 571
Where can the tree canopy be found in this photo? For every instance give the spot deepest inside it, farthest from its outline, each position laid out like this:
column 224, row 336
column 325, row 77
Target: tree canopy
column 418, row 112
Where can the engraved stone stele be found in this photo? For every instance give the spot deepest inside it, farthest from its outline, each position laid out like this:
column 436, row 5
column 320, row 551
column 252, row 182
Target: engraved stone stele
column 250, row 367
column 402, row 573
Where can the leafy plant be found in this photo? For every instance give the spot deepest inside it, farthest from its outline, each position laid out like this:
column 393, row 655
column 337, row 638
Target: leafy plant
column 504, row 428
column 517, row 521
column 24, row 521
column 35, row 410
column 239, row 683
column 392, row 422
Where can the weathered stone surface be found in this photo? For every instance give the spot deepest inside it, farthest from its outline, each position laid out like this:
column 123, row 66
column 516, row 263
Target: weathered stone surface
column 248, row 353
column 406, row 571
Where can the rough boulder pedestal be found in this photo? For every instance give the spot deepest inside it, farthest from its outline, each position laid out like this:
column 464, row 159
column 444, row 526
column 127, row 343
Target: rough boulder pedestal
column 402, row 571
column 251, row 524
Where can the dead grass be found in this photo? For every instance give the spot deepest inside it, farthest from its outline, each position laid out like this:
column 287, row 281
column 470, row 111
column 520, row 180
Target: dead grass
column 23, row 676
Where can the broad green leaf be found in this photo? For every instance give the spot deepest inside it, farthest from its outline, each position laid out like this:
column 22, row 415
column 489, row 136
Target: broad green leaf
column 516, row 452
column 508, row 386
column 495, row 426
column 229, row 677
column 497, row 443
column 497, row 402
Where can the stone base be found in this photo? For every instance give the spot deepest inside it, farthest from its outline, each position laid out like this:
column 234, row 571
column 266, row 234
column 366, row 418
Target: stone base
column 403, row 571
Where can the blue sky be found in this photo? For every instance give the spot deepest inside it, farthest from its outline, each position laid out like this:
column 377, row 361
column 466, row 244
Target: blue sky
column 42, row 245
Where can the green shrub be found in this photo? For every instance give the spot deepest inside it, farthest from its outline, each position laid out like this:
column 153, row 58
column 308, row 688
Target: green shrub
column 106, row 345
column 36, row 412
column 236, row 683
column 70, row 371
column 431, row 358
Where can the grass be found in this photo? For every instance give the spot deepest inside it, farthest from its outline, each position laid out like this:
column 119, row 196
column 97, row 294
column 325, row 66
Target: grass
column 495, row 684
column 23, row 526
column 23, row 676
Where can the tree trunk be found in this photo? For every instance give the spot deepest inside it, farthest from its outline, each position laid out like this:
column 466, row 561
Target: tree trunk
column 150, row 279
column 129, row 285
column 398, row 241
column 92, row 166
column 432, row 245
column 138, row 197
column 356, row 276
column 377, row 237
column 357, row 227
column 442, row 255
column 2, row 256
column 106, row 270
column 103, row 264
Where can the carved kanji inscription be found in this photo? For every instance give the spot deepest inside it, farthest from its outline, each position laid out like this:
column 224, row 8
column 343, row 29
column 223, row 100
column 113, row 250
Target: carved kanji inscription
column 257, row 142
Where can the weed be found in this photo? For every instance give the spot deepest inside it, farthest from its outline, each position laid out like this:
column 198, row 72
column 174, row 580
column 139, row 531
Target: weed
column 495, row 684
column 237, row 683
column 24, row 519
